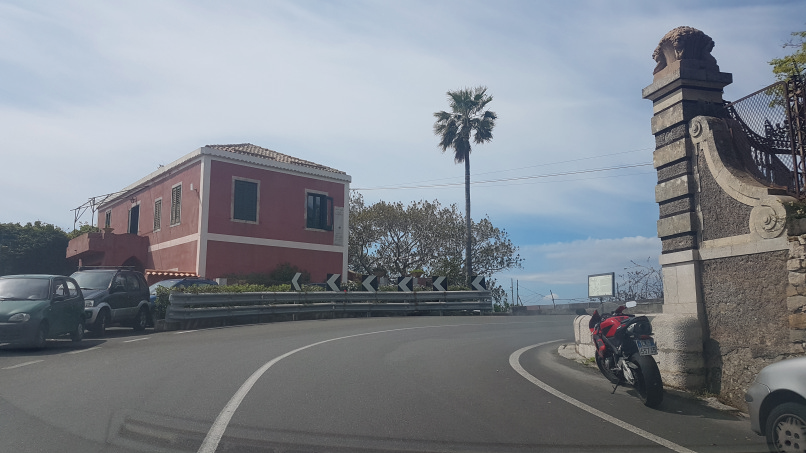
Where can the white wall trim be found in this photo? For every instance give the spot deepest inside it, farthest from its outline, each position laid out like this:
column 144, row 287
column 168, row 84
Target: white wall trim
column 346, row 228
column 204, row 214
column 726, row 247
column 273, row 243
column 174, row 242
column 746, row 248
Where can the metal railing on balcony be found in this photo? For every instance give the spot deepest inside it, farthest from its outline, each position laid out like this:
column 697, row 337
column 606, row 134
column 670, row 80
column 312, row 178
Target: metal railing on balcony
column 773, row 120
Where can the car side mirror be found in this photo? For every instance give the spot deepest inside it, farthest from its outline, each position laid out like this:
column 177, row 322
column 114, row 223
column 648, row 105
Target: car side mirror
column 58, row 298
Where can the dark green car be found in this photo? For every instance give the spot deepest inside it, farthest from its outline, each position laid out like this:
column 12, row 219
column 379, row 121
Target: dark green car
column 34, row 308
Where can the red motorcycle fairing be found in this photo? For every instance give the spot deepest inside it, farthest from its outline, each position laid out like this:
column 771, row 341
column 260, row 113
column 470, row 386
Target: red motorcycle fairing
column 609, row 325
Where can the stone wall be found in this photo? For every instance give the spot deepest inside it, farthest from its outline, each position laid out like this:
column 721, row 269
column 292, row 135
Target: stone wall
column 734, row 270
column 745, row 308
column 796, row 285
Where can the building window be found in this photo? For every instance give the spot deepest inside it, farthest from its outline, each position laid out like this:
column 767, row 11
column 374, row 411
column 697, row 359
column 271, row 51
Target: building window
column 244, row 200
column 158, row 214
column 108, row 219
column 134, row 219
column 176, row 204
column 319, row 213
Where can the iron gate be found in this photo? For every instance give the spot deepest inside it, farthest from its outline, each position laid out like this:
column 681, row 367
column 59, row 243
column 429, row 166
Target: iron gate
column 773, row 120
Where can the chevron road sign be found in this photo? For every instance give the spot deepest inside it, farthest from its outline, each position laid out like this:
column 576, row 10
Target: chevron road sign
column 478, row 283
column 333, row 282
column 405, row 284
column 369, row 283
column 440, row 283
column 295, row 281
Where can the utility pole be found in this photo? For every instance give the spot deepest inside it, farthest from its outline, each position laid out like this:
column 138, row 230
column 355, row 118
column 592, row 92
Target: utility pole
column 552, row 299
column 517, row 292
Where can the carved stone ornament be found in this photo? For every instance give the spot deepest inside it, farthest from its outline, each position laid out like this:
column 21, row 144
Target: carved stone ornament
column 684, row 43
column 768, row 218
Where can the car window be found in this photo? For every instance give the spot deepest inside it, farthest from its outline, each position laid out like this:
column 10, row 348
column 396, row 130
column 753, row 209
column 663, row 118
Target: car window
column 59, row 288
column 166, row 283
column 132, row 285
column 93, row 280
column 119, row 282
column 72, row 289
column 24, row 288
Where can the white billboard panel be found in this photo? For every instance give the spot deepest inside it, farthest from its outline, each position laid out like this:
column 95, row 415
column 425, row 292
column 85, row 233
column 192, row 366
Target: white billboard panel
column 602, row 285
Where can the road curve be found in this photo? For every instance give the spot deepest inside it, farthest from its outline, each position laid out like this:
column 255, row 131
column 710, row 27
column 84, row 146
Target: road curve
column 378, row 384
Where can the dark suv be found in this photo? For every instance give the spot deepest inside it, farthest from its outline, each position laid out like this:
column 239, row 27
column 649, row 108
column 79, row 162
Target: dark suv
column 114, row 296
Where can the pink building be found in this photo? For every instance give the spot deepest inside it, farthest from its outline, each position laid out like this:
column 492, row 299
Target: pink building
column 225, row 209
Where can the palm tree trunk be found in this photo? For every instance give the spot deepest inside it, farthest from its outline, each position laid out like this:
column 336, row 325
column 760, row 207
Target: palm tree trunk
column 468, row 244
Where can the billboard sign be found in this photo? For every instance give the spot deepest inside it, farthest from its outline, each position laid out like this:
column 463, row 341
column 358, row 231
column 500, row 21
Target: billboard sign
column 602, row 285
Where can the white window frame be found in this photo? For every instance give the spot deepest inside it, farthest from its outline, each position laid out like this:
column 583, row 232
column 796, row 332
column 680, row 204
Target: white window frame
column 305, row 211
column 232, row 201
column 108, row 218
column 129, row 217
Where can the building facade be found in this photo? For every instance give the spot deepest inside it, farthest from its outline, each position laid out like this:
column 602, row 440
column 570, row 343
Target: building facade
column 225, row 209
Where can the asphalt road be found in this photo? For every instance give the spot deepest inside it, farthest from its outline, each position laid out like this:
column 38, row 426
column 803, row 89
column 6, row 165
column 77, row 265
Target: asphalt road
column 469, row 384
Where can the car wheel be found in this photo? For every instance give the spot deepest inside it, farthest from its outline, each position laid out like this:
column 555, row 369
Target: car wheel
column 101, row 323
column 41, row 338
column 141, row 321
column 786, row 428
column 78, row 334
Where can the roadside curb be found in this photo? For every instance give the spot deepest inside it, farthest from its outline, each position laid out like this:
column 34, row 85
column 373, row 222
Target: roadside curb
column 568, row 351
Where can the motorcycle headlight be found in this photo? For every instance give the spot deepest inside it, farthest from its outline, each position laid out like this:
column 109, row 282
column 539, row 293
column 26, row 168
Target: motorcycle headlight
column 89, row 303
column 19, row 317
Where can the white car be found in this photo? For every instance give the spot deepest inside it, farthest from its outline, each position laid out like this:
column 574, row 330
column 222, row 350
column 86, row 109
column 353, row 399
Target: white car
column 777, row 403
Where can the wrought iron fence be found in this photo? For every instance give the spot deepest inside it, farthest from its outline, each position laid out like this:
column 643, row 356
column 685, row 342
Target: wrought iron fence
column 773, row 123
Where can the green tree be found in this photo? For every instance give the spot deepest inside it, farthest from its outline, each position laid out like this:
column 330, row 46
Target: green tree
column 396, row 237
column 794, row 63
column 363, row 236
column 424, row 235
column 468, row 118
column 83, row 229
column 35, row 248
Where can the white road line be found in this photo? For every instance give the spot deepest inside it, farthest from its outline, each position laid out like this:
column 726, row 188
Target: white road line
column 22, row 364
column 514, row 362
column 137, row 339
column 216, row 432
column 84, row 350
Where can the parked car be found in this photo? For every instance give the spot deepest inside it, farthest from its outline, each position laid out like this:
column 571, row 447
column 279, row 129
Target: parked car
column 175, row 283
column 178, row 283
column 777, row 403
column 34, row 308
column 114, row 296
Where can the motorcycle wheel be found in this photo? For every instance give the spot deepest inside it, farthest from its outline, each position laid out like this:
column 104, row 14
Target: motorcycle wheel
column 612, row 377
column 647, row 380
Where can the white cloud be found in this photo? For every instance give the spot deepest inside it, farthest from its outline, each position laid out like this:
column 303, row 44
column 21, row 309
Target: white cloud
column 104, row 92
column 570, row 263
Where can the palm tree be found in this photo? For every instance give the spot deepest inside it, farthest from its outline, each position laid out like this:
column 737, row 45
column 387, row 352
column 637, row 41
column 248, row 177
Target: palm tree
column 467, row 118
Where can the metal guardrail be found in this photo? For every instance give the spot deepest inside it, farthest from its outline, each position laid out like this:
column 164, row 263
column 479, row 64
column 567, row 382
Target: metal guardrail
column 186, row 307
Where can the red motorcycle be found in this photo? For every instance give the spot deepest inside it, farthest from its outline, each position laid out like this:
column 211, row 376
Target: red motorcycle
column 624, row 350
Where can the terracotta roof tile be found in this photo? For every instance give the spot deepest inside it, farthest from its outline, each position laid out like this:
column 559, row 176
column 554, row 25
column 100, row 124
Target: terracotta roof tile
column 253, row 150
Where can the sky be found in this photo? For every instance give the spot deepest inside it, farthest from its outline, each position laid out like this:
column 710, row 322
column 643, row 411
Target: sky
column 95, row 95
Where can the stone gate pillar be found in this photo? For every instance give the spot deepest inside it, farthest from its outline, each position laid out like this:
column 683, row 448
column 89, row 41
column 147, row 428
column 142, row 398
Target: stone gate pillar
column 687, row 83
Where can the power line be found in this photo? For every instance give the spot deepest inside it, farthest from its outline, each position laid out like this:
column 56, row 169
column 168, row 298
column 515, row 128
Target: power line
column 572, row 180
column 538, row 165
column 518, row 178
